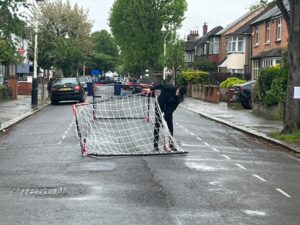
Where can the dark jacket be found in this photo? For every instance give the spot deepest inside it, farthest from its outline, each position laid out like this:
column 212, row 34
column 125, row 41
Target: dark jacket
column 168, row 101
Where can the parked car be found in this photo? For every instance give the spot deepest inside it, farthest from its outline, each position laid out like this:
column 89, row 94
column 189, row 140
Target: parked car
column 68, row 88
column 84, row 80
column 129, row 83
column 243, row 93
column 142, row 86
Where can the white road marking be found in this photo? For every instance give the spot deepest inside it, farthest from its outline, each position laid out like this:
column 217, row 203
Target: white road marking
column 206, row 143
column 283, row 192
column 59, row 143
column 199, row 139
column 226, row 157
column 66, row 133
column 186, row 130
column 254, row 213
column 192, row 134
column 239, row 165
column 260, row 178
column 216, row 150
column 63, row 137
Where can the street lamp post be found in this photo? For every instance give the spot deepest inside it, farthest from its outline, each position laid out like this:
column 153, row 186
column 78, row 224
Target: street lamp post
column 34, row 92
column 166, row 33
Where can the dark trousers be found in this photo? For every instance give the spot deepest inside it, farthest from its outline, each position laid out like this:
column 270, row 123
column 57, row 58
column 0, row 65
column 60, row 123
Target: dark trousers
column 169, row 120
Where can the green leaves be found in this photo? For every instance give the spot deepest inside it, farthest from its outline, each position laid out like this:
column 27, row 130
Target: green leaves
column 136, row 26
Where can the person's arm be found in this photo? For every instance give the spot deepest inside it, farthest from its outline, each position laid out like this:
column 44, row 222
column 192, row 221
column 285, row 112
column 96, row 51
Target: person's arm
column 156, row 87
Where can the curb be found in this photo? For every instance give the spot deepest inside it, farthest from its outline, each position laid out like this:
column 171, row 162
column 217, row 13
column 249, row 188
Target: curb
column 15, row 120
column 248, row 131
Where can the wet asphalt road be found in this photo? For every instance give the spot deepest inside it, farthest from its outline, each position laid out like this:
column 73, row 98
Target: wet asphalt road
column 227, row 178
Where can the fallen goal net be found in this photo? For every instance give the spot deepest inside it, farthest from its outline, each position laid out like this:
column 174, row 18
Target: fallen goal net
column 125, row 125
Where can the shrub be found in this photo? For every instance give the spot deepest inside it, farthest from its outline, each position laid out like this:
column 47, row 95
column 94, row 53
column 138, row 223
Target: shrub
column 229, row 82
column 271, row 86
column 195, row 76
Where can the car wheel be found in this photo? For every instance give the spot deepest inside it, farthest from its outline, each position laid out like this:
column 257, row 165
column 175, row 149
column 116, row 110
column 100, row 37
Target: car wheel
column 82, row 99
column 53, row 102
column 247, row 104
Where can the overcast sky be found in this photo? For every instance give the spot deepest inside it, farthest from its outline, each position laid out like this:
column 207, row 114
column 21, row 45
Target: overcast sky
column 213, row 12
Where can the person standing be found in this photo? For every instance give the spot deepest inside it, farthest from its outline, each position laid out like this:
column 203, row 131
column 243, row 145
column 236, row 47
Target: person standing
column 49, row 86
column 168, row 100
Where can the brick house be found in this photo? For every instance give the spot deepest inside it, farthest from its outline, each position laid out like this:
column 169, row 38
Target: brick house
column 269, row 37
column 235, row 44
column 190, row 46
column 208, row 45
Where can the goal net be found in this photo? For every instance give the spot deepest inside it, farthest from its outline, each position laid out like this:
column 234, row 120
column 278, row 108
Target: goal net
column 123, row 125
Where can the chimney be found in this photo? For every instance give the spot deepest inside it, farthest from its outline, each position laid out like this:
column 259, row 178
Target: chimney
column 193, row 35
column 205, row 29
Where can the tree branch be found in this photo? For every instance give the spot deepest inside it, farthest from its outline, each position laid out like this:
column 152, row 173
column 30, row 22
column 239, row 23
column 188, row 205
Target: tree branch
column 284, row 12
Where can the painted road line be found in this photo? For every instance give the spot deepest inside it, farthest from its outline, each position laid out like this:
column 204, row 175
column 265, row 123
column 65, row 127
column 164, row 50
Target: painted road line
column 199, row 139
column 192, row 134
column 283, row 192
column 63, row 137
column 206, row 143
column 260, row 178
column 216, row 150
column 59, row 143
column 239, row 165
column 226, row 157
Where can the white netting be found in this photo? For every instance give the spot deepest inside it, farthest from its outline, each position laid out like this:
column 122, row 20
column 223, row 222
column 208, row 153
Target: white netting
column 123, row 125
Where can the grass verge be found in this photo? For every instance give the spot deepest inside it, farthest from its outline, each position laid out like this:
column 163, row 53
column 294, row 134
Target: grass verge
column 293, row 138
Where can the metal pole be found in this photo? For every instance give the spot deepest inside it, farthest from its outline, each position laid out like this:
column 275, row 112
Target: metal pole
column 165, row 54
column 34, row 92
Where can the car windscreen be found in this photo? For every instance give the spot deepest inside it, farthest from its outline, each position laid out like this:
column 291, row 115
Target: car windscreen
column 83, row 79
column 69, row 80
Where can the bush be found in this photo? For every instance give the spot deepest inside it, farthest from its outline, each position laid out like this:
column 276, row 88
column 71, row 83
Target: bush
column 229, row 82
column 195, row 76
column 271, row 86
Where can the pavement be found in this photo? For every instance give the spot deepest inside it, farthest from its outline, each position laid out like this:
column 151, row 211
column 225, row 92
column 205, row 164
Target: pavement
column 13, row 111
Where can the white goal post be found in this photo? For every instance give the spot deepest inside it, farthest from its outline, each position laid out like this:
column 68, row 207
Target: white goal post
column 123, row 125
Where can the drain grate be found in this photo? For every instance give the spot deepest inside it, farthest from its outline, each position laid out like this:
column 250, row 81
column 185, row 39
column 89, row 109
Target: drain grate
column 48, row 191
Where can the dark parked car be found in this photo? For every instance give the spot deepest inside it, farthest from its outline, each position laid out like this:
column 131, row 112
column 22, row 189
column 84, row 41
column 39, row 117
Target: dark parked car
column 243, row 93
column 142, row 86
column 68, row 88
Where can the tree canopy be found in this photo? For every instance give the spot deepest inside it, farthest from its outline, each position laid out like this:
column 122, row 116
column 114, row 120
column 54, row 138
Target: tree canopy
column 105, row 55
column 59, row 19
column 136, row 26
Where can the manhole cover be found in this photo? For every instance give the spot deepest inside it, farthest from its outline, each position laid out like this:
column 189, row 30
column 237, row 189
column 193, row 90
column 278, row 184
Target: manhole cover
column 49, row 191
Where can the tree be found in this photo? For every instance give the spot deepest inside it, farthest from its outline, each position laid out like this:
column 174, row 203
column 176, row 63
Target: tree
column 10, row 18
column 136, row 26
column 175, row 55
column 292, row 109
column 57, row 20
column 105, row 54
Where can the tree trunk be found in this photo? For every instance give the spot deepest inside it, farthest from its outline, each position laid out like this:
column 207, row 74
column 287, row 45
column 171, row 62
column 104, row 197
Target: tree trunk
column 292, row 110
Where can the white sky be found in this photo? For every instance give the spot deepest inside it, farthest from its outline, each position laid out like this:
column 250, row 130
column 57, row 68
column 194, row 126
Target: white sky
column 213, row 12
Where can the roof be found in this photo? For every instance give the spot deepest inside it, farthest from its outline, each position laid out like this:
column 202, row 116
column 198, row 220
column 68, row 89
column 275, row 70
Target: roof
column 274, row 12
column 276, row 52
column 190, row 45
column 246, row 15
column 211, row 33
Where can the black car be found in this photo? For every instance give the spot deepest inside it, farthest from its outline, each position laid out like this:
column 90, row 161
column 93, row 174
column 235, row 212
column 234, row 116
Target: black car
column 243, row 93
column 142, row 86
column 68, row 88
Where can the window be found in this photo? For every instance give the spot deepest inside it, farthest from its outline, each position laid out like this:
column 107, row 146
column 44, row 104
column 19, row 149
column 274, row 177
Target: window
column 188, row 57
column 235, row 44
column 269, row 62
column 239, row 71
column 214, row 46
column 278, row 29
column 255, row 69
column 256, row 35
column 267, row 38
